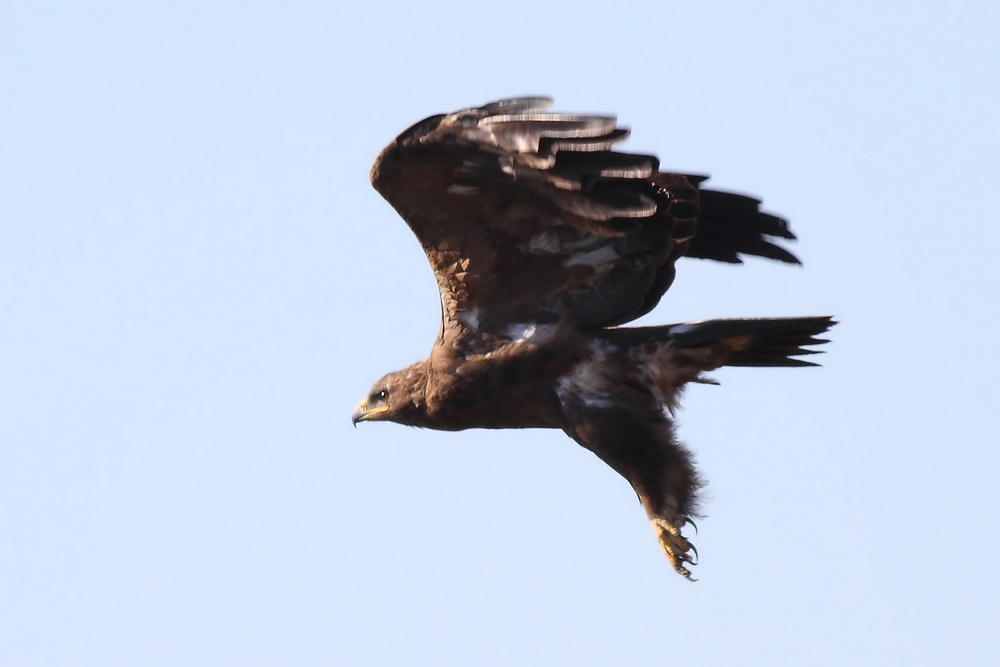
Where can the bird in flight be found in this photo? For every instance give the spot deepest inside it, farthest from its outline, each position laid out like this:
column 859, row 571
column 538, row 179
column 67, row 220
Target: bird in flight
column 543, row 241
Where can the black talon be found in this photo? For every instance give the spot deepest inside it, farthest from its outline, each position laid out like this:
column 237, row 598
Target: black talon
column 687, row 519
column 685, row 573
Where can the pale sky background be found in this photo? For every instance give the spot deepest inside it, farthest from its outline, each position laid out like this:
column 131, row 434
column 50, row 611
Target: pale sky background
column 197, row 284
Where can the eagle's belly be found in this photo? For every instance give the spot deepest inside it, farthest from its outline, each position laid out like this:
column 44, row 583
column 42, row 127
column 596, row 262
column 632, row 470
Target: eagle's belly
column 490, row 402
column 514, row 387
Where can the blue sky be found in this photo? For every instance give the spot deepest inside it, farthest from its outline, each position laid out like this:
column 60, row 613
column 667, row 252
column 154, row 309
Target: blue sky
column 197, row 285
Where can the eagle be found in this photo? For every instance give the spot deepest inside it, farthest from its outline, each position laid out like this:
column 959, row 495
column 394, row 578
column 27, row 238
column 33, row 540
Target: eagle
column 544, row 241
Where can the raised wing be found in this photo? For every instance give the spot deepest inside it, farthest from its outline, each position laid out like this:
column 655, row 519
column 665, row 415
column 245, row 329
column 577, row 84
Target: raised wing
column 530, row 217
column 731, row 225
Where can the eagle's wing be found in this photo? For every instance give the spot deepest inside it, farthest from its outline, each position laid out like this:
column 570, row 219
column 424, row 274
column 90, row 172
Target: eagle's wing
column 530, row 217
column 730, row 225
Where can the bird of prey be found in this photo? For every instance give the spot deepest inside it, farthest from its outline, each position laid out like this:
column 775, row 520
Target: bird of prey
column 543, row 241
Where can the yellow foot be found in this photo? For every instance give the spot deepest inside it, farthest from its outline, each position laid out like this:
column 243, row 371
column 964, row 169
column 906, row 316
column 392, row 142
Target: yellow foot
column 679, row 551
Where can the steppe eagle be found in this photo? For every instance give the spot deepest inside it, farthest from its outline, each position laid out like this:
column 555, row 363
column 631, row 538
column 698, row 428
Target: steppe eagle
column 543, row 240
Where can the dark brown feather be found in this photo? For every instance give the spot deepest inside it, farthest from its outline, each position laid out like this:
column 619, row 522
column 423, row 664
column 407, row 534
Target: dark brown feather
column 731, row 225
column 493, row 190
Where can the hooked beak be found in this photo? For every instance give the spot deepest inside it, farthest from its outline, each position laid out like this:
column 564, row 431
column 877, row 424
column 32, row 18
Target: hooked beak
column 362, row 413
column 359, row 414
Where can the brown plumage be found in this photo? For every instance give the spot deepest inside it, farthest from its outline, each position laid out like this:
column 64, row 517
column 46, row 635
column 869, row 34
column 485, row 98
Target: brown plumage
column 543, row 240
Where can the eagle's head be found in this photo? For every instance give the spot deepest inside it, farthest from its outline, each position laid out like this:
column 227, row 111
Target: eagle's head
column 398, row 397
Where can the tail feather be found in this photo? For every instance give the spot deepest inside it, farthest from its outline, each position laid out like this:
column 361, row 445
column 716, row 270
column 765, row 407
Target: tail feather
column 753, row 342
column 703, row 346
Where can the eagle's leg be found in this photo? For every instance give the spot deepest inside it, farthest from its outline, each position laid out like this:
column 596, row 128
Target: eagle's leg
column 678, row 549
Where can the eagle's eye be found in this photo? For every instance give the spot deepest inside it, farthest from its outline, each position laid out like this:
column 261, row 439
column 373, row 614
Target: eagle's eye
column 378, row 396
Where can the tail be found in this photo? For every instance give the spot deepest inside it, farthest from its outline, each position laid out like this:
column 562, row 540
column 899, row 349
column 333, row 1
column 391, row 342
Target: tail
column 752, row 342
column 730, row 225
column 683, row 351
